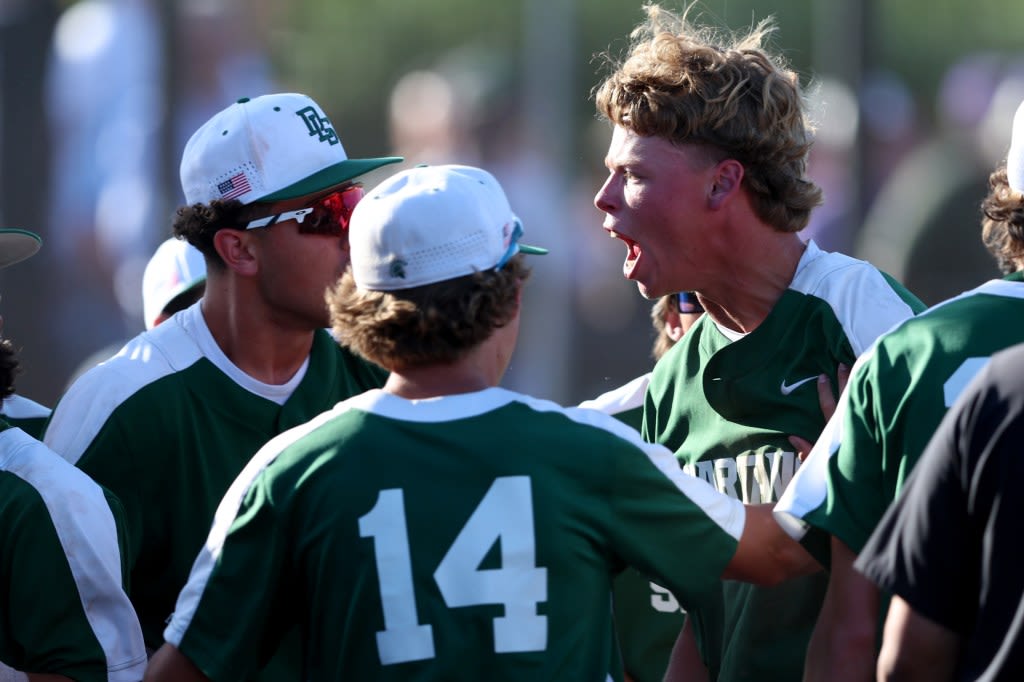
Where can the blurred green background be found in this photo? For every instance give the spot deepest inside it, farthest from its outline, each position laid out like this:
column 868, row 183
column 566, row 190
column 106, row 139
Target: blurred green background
column 913, row 101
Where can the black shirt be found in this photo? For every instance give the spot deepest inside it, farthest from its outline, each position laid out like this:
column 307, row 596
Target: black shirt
column 951, row 545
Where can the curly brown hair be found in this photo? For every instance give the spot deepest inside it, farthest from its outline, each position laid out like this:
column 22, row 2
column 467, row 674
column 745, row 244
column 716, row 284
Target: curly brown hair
column 198, row 223
column 427, row 325
column 690, row 84
column 1002, row 226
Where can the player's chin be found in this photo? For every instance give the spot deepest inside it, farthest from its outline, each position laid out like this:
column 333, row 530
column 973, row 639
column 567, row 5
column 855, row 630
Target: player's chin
column 648, row 289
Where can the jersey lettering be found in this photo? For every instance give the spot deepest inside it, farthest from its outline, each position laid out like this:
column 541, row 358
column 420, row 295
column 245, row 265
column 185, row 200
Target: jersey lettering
column 664, row 601
column 753, row 477
column 519, row 585
column 403, row 638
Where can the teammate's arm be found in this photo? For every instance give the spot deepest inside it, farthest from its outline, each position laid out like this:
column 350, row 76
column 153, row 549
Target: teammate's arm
column 842, row 647
column 828, row 401
column 685, row 663
column 915, row 647
column 766, row 555
column 170, row 665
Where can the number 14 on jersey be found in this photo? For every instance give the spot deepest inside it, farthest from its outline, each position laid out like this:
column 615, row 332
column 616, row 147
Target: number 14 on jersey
column 505, row 513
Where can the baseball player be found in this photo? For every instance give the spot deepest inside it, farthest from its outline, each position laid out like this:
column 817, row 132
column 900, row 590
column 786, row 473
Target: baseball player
column 65, row 613
column 173, row 280
column 17, row 410
column 170, row 421
column 898, row 392
column 707, row 189
column 647, row 616
column 443, row 528
column 949, row 547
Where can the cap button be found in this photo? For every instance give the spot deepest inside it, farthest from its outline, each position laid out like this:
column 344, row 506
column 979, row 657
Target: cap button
column 242, row 101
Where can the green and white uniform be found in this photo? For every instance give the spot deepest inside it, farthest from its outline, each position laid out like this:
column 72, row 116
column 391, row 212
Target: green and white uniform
column 65, row 610
column 27, row 415
column 648, row 617
column 625, row 403
column 726, row 403
column 469, row 537
column 897, row 395
column 169, row 422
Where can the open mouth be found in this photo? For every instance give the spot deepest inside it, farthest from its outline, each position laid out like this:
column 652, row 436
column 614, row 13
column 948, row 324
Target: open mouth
column 632, row 253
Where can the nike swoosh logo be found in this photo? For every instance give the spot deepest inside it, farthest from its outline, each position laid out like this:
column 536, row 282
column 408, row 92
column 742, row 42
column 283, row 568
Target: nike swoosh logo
column 787, row 389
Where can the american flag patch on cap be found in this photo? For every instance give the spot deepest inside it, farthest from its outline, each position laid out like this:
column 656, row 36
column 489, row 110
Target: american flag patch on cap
column 233, row 187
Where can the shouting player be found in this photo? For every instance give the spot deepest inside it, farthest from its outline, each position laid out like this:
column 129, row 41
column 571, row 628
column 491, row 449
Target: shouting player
column 444, row 528
column 707, row 189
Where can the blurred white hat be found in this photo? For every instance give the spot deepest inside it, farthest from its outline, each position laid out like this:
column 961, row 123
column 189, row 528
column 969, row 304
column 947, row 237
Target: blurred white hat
column 174, row 269
column 1015, row 157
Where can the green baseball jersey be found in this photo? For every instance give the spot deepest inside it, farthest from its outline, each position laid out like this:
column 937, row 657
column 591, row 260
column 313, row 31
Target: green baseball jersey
column 27, row 415
column 468, row 537
column 648, row 617
column 168, row 423
column 65, row 610
column 726, row 403
column 897, row 395
column 625, row 403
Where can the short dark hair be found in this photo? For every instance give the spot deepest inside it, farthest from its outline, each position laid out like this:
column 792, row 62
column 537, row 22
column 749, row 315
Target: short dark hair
column 198, row 223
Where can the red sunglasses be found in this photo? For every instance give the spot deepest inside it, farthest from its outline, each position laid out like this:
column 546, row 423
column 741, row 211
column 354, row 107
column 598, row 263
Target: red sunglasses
column 330, row 215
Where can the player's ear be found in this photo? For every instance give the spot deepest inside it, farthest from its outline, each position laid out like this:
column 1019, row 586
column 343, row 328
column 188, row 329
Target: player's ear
column 236, row 249
column 726, row 181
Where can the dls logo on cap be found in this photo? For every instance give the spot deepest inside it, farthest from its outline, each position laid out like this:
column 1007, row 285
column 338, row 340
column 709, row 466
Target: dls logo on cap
column 318, row 124
column 255, row 150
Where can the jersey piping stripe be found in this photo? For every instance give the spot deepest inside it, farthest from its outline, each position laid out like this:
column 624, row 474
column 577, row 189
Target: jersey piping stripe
column 809, row 488
column 94, row 565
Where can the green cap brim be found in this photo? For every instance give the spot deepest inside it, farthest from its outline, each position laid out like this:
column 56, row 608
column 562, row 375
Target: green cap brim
column 17, row 245
column 330, row 177
column 532, row 250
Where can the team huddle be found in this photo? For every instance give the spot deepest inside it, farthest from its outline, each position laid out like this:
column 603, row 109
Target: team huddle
column 808, row 485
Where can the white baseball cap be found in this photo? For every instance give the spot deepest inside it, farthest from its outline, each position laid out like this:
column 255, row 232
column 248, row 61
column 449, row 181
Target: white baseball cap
column 269, row 148
column 176, row 267
column 16, row 245
column 1015, row 157
column 430, row 224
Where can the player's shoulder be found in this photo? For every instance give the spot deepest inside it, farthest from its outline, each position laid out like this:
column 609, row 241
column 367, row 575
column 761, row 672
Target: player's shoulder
column 978, row 316
column 17, row 406
column 42, row 469
column 628, row 396
column 164, row 350
column 831, row 275
column 95, row 395
column 865, row 302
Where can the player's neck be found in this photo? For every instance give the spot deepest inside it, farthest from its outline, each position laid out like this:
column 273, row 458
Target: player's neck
column 743, row 301
column 433, row 382
column 268, row 353
column 481, row 368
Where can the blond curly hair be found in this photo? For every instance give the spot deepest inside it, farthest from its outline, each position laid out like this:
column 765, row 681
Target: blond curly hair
column 691, row 84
